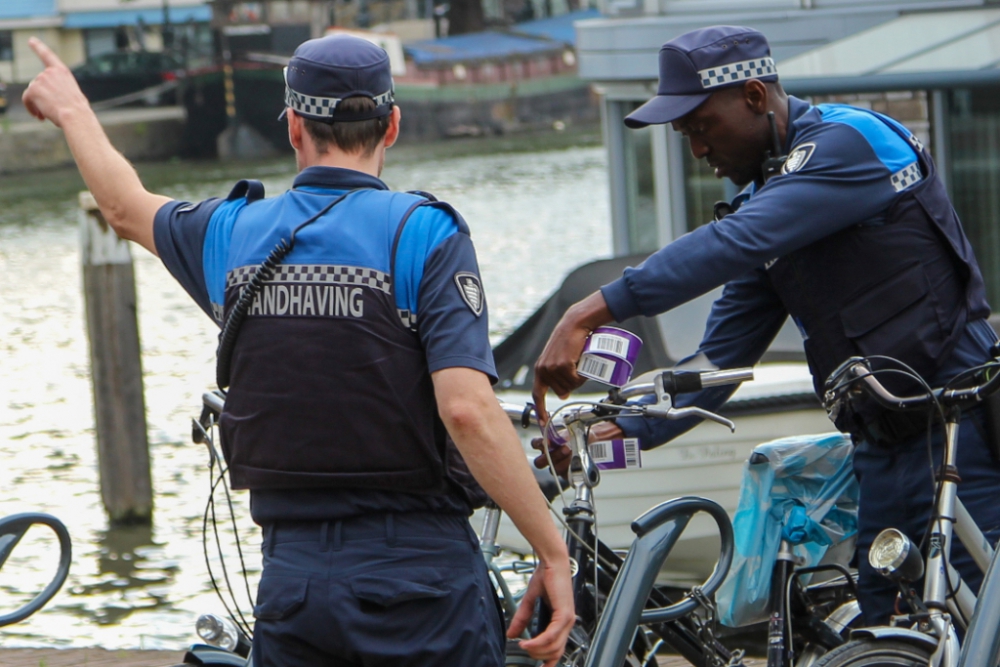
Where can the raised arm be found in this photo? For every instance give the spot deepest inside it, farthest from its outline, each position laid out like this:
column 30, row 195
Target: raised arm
column 491, row 449
column 127, row 206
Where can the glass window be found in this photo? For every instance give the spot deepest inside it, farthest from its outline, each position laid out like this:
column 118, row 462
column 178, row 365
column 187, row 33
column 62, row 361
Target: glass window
column 974, row 157
column 6, row 45
column 642, row 228
column 702, row 189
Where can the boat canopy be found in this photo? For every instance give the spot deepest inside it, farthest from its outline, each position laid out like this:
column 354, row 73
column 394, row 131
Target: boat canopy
column 667, row 338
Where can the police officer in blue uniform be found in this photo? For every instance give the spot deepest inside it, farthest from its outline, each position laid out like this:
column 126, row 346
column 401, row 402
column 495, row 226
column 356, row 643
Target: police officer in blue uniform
column 355, row 350
column 853, row 236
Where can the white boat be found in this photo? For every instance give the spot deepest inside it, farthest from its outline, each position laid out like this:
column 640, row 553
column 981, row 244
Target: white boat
column 707, row 461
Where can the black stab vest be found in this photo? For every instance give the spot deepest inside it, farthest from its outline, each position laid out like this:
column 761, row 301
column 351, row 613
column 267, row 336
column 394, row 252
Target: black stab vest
column 904, row 288
column 336, row 393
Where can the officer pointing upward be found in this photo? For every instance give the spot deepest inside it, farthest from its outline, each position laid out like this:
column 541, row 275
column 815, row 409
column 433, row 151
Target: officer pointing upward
column 359, row 380
column 852, row 236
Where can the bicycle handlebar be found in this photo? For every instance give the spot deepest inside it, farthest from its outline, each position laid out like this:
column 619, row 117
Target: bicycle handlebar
column 12, row 529
column 856, row 371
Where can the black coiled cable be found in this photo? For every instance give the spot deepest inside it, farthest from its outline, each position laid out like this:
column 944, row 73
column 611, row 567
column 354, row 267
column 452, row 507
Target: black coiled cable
column 231, row 329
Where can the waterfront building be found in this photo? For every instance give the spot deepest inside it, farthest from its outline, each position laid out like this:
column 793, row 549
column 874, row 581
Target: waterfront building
column 82, row 29
column 933, row 64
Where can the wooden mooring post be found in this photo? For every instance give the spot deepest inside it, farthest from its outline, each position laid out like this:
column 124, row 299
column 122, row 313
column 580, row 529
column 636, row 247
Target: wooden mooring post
column 115, row 368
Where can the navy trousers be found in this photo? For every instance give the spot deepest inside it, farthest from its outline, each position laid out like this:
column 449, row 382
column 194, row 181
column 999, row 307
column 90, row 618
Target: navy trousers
column 897, row 490
column 393, row 590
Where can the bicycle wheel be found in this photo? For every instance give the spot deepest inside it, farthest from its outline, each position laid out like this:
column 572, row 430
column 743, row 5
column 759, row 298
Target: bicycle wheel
column 876, row 653
column 518, row 657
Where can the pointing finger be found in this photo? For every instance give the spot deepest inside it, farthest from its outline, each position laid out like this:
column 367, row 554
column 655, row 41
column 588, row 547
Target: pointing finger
column 44, row 53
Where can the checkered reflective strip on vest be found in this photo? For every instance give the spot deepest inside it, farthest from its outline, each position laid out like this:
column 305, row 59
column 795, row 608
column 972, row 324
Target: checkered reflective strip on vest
column 316, row 273
column 746, row 69
column 907, row 176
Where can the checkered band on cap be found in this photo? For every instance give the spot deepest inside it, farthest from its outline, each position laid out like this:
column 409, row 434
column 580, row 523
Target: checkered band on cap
column 722, row 75
column 907, row 176
column 324, row 107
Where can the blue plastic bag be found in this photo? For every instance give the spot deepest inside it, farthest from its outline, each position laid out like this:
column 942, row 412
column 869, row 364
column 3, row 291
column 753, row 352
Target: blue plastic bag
column 805, row 493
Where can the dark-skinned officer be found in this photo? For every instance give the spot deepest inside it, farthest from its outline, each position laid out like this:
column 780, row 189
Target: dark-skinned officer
column 362, row 352
column 854, row 238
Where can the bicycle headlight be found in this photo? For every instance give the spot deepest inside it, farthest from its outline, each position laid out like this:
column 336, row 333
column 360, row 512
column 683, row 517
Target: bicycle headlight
column 895, row 556
column 217, row 631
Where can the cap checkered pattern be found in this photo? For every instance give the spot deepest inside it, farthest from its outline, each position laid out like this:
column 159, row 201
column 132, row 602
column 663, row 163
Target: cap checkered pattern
column 907, row 176
column 722, row 75
column 324, row 107
column 330, row 274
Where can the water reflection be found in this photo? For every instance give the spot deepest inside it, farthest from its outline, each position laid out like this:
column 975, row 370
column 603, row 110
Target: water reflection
column 132, row 576
column 534, row 216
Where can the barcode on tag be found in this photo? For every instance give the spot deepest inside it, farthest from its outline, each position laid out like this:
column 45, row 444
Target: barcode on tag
column 611, row 344
column 602, row 452
column 632, row 459
column 597, row 368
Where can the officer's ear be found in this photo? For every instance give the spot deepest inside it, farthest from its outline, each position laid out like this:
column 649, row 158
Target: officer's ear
column 755, row 95
column 295, row 129
column 392, row 132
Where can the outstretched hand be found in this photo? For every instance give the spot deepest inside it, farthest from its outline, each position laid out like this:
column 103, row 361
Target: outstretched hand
column 55, row 91
column 550, row 582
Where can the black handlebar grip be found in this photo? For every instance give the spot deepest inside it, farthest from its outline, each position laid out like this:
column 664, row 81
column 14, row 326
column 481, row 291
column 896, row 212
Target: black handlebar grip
column 681, row 382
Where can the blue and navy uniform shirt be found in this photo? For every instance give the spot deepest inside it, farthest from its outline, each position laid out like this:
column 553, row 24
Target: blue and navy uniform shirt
column 846, row 167
column 193, row 242
column 434, row 248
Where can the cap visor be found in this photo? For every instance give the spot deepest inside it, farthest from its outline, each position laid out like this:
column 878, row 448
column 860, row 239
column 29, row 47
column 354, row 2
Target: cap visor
column 664, row 109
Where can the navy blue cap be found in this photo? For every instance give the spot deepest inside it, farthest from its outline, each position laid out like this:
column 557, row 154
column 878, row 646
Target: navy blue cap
column 696, row 64
column 323, row 72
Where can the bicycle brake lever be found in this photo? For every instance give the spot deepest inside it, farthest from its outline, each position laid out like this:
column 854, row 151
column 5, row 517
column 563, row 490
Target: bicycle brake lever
column 681, row 413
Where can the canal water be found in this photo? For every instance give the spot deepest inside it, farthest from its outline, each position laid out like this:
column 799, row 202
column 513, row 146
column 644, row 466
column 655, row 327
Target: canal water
column 535, row 211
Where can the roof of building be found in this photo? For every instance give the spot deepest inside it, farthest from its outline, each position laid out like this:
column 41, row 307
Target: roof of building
column 920, row 50
column 488, row 45
column 117, row 17
column 20, row 9
column 839, row 46
column 558, row 28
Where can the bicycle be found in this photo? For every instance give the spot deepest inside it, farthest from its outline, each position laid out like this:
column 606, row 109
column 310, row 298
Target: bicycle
column 946, row 601
column 688, row 626
column 12, row 529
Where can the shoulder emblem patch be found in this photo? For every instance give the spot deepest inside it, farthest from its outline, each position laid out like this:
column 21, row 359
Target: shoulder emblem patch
column 471, row 290
column 798, row 158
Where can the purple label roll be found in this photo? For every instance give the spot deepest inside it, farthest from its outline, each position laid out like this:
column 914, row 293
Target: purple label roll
column 613, row 342
column 608, row 370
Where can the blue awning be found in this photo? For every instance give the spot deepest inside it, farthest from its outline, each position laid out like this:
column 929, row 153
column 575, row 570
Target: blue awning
column 113, row 19
column 559, row 28
column 27, row 9
column 477, row 46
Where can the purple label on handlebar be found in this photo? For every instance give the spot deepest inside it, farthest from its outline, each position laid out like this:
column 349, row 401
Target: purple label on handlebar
column 555, row 438
column 621, row 454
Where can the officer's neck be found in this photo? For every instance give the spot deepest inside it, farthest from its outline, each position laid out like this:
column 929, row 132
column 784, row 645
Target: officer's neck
column 308, row 156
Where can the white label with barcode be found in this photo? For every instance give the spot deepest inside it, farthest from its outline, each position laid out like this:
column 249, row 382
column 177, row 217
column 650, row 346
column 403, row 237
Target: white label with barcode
column 609, row 343
column 632, row 455
column 597, row 368
column 602, row 452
